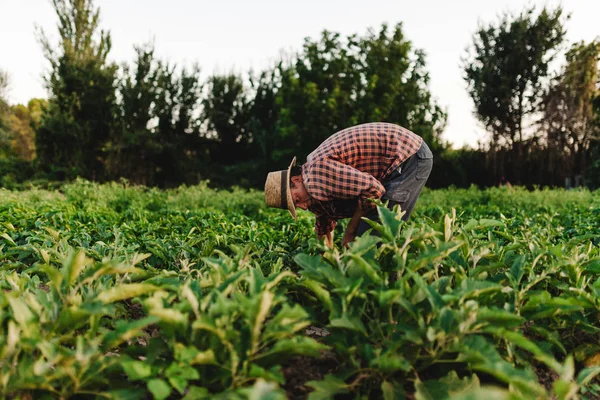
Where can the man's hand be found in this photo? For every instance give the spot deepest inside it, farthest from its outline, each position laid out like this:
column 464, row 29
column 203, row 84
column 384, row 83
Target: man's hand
column 328, row 239
column 348, row 238
column 352, row 227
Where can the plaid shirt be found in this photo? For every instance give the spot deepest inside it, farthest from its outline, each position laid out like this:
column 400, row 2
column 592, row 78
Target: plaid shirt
column 347, row 169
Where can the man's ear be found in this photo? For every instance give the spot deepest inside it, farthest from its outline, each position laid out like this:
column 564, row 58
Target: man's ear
column 295, row 180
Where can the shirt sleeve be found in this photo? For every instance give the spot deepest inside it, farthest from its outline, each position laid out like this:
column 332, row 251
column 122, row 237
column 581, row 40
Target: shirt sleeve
column 324, row 224
column 335, row 180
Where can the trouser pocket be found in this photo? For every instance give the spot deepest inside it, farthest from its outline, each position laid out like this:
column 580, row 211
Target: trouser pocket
column 424, row 162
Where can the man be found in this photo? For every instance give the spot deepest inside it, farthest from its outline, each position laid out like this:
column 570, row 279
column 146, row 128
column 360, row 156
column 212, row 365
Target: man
column 348, row 170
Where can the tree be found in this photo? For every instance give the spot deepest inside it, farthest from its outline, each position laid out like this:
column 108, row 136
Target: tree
column 396, row 85
column 504, row 70
column 337, row 83
column 134, row 147
column 4, row 113
column 225, row 110
column 569, row 115
column 593, row 173
column 81, row 112
column 264, row 114
column 319, row 93
column 177, row 130
column 24, row 121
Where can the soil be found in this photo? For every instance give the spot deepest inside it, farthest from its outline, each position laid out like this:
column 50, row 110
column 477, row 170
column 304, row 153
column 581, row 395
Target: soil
column 300, row 369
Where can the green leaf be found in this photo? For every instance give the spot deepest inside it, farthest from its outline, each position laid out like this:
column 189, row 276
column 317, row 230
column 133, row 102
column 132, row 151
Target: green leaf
column 516, row 271
column 197, row 393
column 483, row 356
column 192, row 356
column 10, row 240
column 309, row 262
column 274, row 374
column 21, row 312
column 446, row 319
column 73, row 265
column 526, row 344
column 488, row 223
column 327, row 388
column 263, row 390
column 346, row 322
column 565, row 390
column 471, row 288
column 293, row 346
column 586, row 375
column 125, row 331
column 136, row 370
column 487, row 393
column 179, row 375
column 392, row 391
column 364, row 244
column 159, row 388
column 434, row 298
column 371, row 270
column 317, row 288
column 445, row 388
column 127, row 394
column 125, row 291
column 179, row 383
column 261, row 312
column 390, row 362
column 391, row 221
column 499, row 317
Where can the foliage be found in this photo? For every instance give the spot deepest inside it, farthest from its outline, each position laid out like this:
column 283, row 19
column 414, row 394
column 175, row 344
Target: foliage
column 80, row 115
column 208, row 294
column 134, row 145
column 569, row 113
column 337, row 82
column 225, row 110
column 24, row 122
column 505, row 68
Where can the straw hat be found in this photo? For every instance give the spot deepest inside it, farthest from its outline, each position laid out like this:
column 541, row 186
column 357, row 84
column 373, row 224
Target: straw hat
column 277, row 190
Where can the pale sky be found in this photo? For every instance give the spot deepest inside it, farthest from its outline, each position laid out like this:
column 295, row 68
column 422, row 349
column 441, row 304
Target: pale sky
column 227, row 35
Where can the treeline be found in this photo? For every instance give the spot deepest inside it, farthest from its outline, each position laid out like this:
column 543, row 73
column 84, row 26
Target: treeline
column 543, row 128
column 158, row 124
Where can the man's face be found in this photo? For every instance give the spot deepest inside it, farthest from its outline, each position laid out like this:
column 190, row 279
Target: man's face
column 299, row 194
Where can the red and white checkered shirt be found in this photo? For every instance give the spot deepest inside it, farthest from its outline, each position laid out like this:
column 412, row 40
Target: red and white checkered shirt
column 347, row 169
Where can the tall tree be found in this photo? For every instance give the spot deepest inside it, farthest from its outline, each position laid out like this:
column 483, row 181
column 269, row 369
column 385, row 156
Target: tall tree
column 81, row 113
column 396, row 85
column 569, row 114
column 593, row 172
column 179, row 136
column 225, row 110
column 319, row 94
column 134, row 147
column 505, row 68
column 264, row 114
column 338, row 82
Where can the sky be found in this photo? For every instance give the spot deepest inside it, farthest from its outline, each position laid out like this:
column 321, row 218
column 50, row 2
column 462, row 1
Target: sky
column 236, row 36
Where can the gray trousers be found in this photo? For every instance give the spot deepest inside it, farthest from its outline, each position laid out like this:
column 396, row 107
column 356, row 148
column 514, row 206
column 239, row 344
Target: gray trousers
column 404, row 185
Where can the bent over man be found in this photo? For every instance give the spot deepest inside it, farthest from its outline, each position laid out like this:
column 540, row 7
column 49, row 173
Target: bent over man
column 351, row 167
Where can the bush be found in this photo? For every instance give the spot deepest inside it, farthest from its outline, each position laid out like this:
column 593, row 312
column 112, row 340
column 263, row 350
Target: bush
column 14, row 171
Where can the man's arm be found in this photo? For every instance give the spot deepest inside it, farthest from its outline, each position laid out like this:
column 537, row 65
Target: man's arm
column 328, row 239
column 324, row 228
column 352, row 227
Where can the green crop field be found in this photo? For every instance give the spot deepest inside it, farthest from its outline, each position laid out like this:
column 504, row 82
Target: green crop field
column 110, row 291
